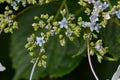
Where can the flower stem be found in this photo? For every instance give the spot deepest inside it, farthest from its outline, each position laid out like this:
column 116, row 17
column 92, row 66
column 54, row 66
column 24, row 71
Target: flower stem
column 58, row 12
column 89, row 60
column 33, row 69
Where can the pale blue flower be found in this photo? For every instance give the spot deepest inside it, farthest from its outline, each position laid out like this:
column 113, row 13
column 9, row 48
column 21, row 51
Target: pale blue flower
column 88, row 24
column 13, row 4
column 94, row 18
column 97, row 27
column 118, row 14
column 68, row 33
column 95, row 12
column 105, row 6
column 97, row 4
column 40, row 41
column 84, row 24
column 63, row 23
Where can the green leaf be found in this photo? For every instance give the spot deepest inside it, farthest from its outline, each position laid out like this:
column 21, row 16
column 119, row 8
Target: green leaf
column 59, row 61
column 111, row 37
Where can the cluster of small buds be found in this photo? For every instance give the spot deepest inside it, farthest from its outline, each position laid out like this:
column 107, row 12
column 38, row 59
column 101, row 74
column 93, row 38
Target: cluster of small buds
column 31, row 44
column 42, row 61
column 71, row 29
column 33, row 41
column 115, row 10
column 99, row 14
column 16, row 3
column 98, row 49
column 94, row 15
column 7, row 22
column 47, row 27
column 51, row 28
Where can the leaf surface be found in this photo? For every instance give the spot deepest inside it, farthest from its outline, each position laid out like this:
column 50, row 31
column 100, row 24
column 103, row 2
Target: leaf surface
column 59, row 61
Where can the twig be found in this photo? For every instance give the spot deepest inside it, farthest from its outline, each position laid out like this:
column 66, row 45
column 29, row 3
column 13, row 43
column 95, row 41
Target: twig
column 90, row 63
column 33, row 69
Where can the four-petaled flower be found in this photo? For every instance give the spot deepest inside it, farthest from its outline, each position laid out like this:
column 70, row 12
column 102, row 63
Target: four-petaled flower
column 40, row 41
column 63, row 23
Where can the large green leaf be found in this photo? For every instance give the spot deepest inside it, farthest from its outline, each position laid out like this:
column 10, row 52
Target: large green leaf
column 59, row 61
column 111, row 36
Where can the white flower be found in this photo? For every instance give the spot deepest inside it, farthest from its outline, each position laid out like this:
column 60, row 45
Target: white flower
column 98, row 47
column 2, row 68
column 63, row 23
column 13, row 4
column 106, row 16
column 40, row 40
column 116, row 75
column 68, row 33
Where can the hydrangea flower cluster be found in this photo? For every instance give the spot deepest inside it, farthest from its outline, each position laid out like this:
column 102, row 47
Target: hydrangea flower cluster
column 98, row 49
column 66, row 27
column 48, row 26
column 100, row 13
column 7, row 22
column 94, row 16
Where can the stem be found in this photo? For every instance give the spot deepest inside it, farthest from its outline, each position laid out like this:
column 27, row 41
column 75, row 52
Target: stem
column 58, row 12
column 89, row 60
column 66, row 8
column 33, row 69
